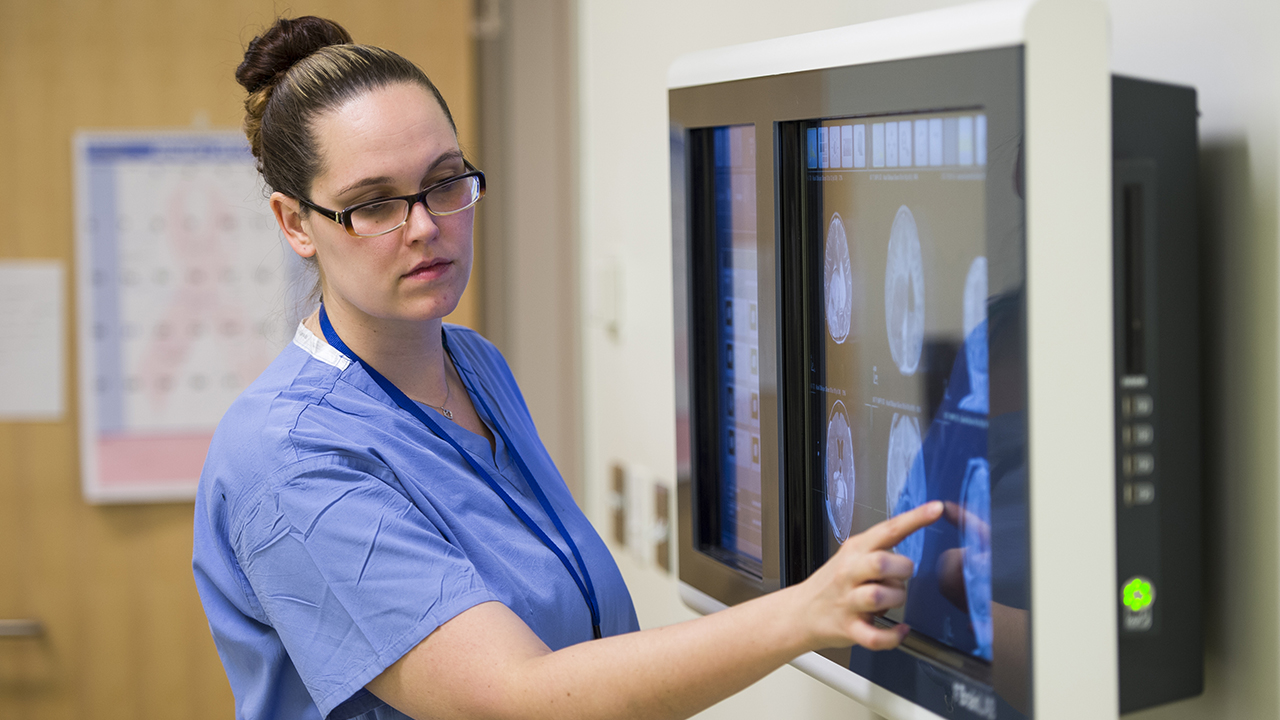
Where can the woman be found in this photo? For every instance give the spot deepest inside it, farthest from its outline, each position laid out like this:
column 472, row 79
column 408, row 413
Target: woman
column 379, row 531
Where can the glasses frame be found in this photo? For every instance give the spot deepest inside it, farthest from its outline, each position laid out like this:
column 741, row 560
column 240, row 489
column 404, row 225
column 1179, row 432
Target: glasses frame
column 343, row 217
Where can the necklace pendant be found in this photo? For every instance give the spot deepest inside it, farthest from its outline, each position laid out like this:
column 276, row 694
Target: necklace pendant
column 447, row 413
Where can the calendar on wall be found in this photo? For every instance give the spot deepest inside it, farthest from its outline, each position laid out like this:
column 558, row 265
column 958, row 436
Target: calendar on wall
column 186, row 292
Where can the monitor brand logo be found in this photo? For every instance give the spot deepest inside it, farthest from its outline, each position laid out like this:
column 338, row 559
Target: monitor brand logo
column 977, row 702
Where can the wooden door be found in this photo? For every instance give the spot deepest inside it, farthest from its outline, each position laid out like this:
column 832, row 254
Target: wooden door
column 125, row 636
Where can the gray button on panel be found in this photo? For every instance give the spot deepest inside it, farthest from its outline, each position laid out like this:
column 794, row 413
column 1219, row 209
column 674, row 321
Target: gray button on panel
column 1144, row 464
column 1143, row 434
column 1143, row 406
column 1138, row 464
column 1144, row 492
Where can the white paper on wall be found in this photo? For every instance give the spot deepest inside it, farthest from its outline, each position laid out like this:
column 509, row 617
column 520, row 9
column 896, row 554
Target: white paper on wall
column 31, row 341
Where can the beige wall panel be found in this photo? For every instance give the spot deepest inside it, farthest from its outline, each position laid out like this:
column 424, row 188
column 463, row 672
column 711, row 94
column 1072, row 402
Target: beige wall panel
column 126, row 636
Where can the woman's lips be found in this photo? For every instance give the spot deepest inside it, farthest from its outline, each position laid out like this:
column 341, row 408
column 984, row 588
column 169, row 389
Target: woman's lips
column 428, row 270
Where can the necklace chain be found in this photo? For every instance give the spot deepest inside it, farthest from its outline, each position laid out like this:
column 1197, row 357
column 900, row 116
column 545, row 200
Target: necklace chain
column 448, row 393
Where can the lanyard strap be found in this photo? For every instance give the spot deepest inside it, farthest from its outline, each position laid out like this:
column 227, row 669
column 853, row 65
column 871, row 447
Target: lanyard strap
column 584, row 582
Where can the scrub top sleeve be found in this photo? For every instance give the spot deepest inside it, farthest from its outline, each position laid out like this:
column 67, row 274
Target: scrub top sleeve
column 350, row 573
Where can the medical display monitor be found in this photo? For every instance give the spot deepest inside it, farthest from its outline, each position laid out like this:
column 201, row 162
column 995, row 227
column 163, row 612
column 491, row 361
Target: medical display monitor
column 851, row 245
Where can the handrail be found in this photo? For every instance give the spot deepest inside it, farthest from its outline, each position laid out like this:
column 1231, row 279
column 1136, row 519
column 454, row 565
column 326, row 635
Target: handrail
column 21, row 628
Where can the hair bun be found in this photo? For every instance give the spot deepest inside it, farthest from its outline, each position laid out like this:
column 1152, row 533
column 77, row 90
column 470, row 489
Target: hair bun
column 283, row 44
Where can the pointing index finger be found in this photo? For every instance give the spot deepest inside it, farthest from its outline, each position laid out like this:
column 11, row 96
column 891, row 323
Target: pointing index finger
column 885, row 535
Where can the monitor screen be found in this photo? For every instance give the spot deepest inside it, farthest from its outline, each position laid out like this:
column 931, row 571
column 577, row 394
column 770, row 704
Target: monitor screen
column 897, row 368
column 725, row 259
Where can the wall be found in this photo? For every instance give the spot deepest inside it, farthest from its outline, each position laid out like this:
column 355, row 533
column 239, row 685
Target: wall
column 529, row 229
column 1227, row 50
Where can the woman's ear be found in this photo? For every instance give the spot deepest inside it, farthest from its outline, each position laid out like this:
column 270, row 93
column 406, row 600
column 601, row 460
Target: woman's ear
column 288, row 212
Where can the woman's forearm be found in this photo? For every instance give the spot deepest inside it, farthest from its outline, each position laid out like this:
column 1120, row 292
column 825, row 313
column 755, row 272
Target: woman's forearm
column 486, row 664
column 669, row 672
column 501, row 670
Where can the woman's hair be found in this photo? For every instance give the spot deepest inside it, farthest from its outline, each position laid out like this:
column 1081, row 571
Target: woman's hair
column 298, row 69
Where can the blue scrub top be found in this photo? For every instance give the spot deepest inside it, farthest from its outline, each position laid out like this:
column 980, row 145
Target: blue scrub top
column 334, row 532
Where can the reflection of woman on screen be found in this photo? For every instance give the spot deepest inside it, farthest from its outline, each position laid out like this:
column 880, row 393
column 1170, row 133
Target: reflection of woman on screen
column 1004, row 522
column 956, row 438
column 975, row 531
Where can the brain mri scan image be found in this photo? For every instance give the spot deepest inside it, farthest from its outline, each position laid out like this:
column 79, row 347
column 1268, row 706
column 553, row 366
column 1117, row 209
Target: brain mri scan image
column 905, row 481
column 904, row 293
column 838, row 281
column 975, row 334
column 840, row 472
column 975, row 505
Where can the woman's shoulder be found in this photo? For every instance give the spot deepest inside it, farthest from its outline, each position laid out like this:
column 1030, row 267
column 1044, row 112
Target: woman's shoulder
column 296, row 409
column 297, row 378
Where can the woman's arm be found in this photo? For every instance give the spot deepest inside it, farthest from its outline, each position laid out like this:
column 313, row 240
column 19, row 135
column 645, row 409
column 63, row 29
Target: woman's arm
column 486, row 663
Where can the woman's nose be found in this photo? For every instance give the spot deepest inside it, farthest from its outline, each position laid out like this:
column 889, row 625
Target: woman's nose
column 421, row 224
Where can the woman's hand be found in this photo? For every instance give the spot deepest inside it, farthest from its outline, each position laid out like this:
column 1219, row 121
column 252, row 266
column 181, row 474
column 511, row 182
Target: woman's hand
column 863, row 579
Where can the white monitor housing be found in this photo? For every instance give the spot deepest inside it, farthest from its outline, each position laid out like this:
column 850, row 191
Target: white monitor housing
column 899, row 277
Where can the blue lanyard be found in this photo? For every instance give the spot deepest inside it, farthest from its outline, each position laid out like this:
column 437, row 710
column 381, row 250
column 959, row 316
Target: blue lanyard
column 584, row 582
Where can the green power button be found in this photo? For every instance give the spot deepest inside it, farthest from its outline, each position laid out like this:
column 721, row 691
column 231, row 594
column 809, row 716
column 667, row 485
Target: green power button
column 1138, row 594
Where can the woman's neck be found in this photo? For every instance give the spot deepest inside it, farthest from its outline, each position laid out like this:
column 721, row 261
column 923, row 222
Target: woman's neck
column 408, row 353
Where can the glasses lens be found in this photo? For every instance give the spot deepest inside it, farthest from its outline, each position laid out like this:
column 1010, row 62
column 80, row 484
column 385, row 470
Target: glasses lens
column 454, row 196
column 379, row 217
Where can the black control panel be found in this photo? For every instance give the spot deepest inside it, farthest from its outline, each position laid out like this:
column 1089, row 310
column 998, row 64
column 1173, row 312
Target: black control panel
column 1159, row 469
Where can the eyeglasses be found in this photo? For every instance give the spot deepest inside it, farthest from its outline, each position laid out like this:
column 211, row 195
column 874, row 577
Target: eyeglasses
column 381, row 216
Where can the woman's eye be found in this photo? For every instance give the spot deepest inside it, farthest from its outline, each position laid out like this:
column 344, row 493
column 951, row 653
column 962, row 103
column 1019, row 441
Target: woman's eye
column 377, row 209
